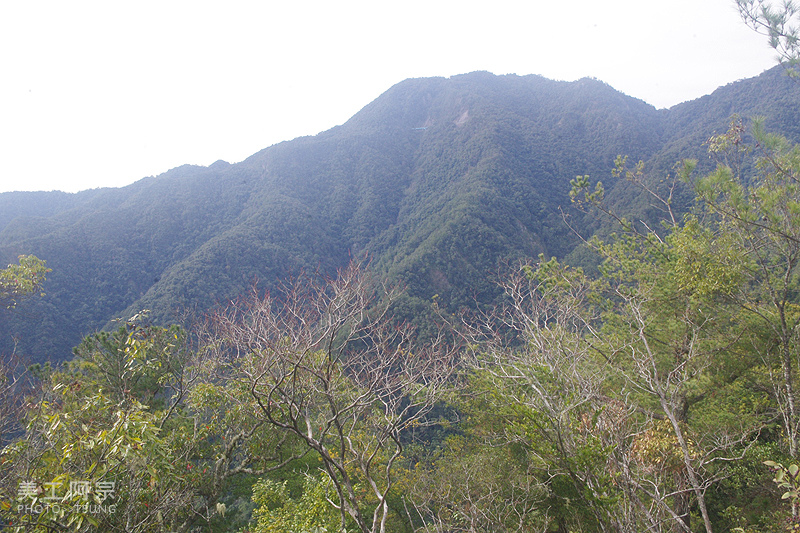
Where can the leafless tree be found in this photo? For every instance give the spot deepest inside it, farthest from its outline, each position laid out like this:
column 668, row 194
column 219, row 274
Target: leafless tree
column 535, row 352
column 16, row 381
column 479, row 490
column 326, row 364
column 610, row 362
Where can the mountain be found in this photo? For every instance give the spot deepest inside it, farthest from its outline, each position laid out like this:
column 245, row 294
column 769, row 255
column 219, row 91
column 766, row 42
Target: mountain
column 438, row 181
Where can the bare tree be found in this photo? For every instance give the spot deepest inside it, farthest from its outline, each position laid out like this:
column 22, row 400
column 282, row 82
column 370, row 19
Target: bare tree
column 477, row 487
column 612, row 369
column 535, row 353
column 325, row 363
column 16, row 381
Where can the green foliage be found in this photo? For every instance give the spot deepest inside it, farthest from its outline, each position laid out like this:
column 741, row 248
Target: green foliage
column 706, row 265
column 176, row 462
column 758, row 213
column 79, row 434
column 786, row 477
column 559, row 450
column 22, row 280
column 779, row 22
column 652, row 338
column 132, row 362
column 279, row 512
column 472, row 486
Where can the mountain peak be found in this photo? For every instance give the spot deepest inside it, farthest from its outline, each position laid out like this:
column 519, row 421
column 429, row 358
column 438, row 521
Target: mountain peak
column 438, row 179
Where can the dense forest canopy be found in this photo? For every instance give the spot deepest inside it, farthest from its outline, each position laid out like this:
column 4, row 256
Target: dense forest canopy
column 439, row 181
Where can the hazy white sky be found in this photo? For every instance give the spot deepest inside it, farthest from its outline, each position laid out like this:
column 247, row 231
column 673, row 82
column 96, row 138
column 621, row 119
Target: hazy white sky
column 97, row 94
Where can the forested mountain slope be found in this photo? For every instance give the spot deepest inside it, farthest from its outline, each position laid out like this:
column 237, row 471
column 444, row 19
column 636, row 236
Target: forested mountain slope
column 438, row 181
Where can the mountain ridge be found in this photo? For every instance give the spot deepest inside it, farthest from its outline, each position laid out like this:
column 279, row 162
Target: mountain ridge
column 438, row 181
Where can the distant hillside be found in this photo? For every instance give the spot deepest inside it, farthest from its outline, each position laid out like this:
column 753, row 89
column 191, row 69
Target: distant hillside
column 438, row 181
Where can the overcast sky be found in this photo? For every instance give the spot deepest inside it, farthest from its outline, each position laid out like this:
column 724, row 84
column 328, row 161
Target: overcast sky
column 100, row 94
